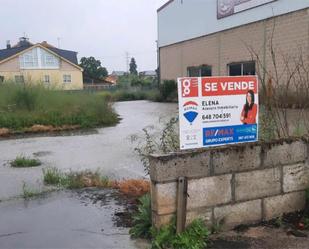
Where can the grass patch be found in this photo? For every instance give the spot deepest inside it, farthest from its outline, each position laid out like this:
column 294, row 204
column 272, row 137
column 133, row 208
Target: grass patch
column 24, row 106
column 24, row 162
column 29, row 193
column 72, row 180
column 52, row 176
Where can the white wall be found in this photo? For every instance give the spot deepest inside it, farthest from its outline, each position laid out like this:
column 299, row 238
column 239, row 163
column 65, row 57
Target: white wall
column 193, row 18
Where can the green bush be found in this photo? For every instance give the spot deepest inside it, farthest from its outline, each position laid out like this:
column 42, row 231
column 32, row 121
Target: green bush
column 168, row 90
column 142, row 220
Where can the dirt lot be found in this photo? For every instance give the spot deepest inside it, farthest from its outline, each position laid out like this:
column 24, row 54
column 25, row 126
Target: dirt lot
column 261, row 237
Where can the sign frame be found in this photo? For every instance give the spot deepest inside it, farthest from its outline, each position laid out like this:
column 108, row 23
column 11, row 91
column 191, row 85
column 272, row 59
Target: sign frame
column 217, row 110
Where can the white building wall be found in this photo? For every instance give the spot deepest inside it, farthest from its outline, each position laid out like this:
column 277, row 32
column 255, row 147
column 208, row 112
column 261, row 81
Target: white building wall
column 187, row 19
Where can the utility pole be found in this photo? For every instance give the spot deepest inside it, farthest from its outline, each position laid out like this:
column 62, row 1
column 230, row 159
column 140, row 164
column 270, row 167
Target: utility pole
column 58, row 39
column 127, row 61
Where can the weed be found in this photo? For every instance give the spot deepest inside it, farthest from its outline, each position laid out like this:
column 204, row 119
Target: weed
column 142, row 220
column 53, row 176
column 163, row 238
column 29, row 193
column 217, row 226
column 307, row 195
column 266, row 125
column 278, row 222
column 86, row 179
column 24, row 162
column 150, row 143
column 132, row 187
column 74, row 180
column 194, row 237
column 299, row 130
column 306, row 223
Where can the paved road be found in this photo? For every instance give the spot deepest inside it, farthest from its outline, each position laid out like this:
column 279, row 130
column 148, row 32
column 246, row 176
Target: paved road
column 65, row 220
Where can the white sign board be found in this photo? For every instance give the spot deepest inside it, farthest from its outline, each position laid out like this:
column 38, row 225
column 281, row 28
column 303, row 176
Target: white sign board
column 216, row 111
column 229, row 7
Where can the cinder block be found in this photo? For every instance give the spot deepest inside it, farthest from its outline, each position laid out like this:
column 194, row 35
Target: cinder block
column 242, row 213
column 278, row 205
column 209, row 191
column 257, row 184
column 236, row 160
column 295, row 177
column 161, row 220
column 163, row 198
column 171, row 168
column 286, row 153
column 204, row 213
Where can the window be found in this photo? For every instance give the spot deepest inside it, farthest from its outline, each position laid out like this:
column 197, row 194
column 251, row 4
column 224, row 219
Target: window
column 49, row 60
column 200, row 71
column 46, row 79
column 19, row 79
column 205, row 71
column 29, row 59
column 38, row 58
column 242, row 68
column 66, row 78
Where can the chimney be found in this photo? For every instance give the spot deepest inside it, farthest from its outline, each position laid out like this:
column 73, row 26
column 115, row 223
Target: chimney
column 8, row 44
column 23, row 42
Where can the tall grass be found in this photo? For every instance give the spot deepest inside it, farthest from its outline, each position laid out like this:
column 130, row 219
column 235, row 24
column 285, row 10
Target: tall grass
column 22, row 106
column 132, row 94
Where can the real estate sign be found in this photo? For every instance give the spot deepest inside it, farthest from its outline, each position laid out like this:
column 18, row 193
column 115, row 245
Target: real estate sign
column 216, row 111
column 229, row 7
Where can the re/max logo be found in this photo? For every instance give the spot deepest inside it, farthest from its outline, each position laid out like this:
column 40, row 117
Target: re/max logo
column 219, row 132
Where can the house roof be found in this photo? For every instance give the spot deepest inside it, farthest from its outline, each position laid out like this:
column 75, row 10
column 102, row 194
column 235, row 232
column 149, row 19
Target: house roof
column 118, row 73
column 149, row 73
column 6, row 53
column 70, row 56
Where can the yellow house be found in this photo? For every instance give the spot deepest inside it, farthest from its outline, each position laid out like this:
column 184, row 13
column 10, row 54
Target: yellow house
column 40, row 63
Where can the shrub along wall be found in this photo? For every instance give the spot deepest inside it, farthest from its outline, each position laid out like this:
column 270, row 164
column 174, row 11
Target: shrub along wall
column 232, row 185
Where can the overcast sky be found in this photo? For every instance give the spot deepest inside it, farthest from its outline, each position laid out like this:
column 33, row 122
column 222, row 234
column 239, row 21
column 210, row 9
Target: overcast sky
column 105, row 29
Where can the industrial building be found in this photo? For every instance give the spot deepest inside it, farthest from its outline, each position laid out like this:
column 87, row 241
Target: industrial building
column 230, row 37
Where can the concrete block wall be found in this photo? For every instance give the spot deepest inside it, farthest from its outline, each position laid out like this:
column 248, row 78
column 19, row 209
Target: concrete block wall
column 232, row 185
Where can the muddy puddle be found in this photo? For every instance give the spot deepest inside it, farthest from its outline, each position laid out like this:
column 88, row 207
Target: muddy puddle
column 108, row 149
column 88, row 218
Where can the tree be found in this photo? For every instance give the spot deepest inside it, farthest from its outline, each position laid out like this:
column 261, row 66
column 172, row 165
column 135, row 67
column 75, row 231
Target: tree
column 133, row 67
column 92, row 68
